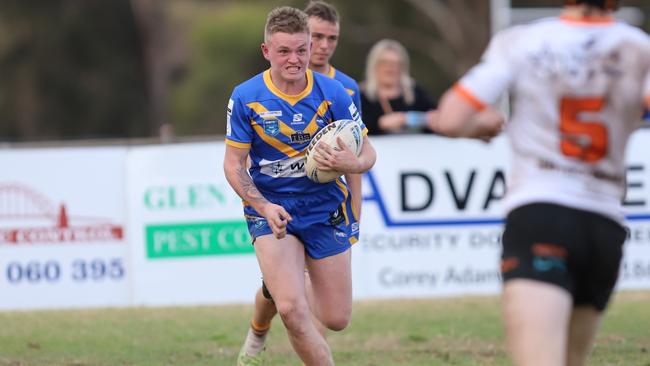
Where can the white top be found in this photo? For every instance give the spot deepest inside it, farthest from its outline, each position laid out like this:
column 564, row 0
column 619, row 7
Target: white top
column 578, row 90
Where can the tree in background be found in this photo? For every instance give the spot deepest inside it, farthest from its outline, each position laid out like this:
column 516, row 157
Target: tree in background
column 70, row 69
column 123, row 68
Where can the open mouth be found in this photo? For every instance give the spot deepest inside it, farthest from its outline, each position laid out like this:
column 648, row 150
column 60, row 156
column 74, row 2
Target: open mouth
column 293, row 69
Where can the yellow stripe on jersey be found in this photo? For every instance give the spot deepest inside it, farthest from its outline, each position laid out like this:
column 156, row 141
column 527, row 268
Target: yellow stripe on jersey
column 344, row 207
column 260, row 110
column 291, row 99
column 312, row 126
column 279, row 145
column 350, row 91
column 241, row 145
column 345, row 199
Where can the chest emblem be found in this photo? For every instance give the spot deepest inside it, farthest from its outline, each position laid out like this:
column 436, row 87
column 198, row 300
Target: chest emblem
column 271, row 127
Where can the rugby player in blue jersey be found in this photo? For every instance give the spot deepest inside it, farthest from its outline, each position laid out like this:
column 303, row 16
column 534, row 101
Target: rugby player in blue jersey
column 295, row 223
column 324, row 26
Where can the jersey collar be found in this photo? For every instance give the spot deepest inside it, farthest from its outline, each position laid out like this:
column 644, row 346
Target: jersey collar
column 291, row 99
column 331, row 72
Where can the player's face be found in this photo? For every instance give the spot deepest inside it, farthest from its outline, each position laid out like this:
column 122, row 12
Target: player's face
column 324, row 39
column 288, row 55
column 389, row 67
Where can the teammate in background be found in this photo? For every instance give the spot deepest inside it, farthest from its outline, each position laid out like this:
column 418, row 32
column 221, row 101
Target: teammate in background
column 323, row 21
column 294, row 222
column 324, row 26
column 578, row 85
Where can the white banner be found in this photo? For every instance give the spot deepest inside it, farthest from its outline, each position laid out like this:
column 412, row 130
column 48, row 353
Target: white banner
column 432, row 218
column 62, row 223
column 189, row 241
column 159, row 225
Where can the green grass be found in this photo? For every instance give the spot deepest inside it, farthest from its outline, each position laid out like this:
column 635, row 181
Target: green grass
column 418, row 332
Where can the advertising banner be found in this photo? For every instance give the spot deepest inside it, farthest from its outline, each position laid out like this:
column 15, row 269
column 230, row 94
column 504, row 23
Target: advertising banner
column 62, row 228
column 432, row 218
column 160, row 225
column 189, row 241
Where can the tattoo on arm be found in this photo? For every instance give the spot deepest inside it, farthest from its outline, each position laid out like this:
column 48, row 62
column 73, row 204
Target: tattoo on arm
column 250, row 192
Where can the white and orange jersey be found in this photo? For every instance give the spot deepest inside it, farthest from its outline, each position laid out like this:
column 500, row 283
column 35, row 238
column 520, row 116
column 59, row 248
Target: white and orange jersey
column 578, row 89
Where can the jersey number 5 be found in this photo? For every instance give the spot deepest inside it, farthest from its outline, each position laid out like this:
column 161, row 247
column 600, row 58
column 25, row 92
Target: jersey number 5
column 585, row 140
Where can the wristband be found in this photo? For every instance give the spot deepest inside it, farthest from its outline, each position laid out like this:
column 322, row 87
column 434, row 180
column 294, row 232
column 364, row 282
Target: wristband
column 415, row 119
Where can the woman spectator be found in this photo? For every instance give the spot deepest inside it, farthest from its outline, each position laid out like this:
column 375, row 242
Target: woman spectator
column 390, row 99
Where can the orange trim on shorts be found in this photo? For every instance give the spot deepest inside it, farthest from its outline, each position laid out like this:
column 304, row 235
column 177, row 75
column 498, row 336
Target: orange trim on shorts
column 469, row 97
column 508, row 264
column 549, row 250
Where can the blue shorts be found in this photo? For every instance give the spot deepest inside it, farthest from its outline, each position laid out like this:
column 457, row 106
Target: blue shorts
column 323, row 222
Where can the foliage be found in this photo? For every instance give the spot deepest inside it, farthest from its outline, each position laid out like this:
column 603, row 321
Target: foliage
column 70, row 69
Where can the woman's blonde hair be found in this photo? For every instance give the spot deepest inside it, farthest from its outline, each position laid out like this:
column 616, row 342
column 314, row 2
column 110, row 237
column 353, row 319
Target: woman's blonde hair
column 406, row 82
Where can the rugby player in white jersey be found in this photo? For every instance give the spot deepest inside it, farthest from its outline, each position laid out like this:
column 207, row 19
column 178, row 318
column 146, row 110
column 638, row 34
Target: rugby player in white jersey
column 578, row 85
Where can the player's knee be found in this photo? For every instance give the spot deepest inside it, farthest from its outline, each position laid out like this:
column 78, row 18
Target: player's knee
column 292, row 313
column 337, row 322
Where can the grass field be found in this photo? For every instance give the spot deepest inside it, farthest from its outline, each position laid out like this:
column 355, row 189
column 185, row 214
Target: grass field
column 418, row 332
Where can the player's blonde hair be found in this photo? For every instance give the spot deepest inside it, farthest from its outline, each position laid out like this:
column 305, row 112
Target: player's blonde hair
column 285, row 19
column 371, row 85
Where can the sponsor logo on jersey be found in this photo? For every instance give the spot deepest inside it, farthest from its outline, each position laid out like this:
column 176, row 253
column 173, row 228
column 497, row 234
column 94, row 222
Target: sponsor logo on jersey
column 271, row 127
column 297, row 119
column 354, row 112
column 287, row 168
column 267, row 114
column 355, row 227
column 228, row 114
column 300, row 137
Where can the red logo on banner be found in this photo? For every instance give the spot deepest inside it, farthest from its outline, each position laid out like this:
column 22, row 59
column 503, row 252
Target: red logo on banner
column 20, row 202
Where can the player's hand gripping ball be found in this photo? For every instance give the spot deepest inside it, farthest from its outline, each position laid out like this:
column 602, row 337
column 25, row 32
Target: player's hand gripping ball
column 350, row 133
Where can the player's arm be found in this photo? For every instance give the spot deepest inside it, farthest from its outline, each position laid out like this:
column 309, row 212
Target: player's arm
column 234, row 166
column 345, row 160
column 461, row 116
column 465, row 110
column 354, row 179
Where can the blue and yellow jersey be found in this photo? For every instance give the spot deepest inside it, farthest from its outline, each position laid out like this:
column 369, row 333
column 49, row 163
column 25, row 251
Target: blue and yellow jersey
column 278, row 128
column 349, row 84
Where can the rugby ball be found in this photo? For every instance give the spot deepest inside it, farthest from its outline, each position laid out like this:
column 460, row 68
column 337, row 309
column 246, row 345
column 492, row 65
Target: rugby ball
column 348, row 130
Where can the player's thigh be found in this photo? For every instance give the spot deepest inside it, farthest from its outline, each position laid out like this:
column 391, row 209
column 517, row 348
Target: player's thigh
column 536, row 317
column 331, row 281
column 282, row 262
